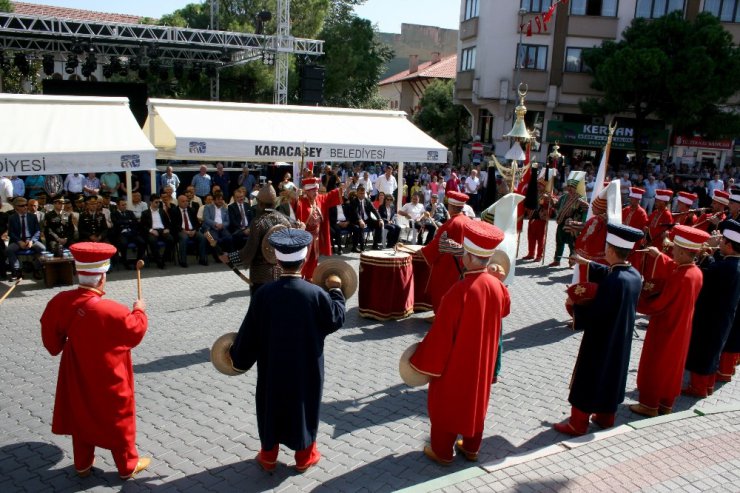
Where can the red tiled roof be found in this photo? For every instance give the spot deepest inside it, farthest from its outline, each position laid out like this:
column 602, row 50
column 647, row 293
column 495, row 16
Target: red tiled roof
column 75, row 14
column 443, row 69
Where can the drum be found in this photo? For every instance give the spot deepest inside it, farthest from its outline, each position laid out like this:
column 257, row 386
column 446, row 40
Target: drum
column 422, row 299
column 386, row 285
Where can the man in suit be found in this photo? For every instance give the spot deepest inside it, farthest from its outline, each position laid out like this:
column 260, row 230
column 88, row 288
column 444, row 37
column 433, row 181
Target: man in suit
column 156, row 227
column 93, row 225
column 239, row 219
column 216, row 221
column 366, row 216
column 23, row 234
column 126, row 231
column 184, row 227
column 3, row 230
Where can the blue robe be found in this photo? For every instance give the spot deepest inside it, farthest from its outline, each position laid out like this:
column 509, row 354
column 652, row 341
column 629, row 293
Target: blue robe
column 714, row 314
column 600, row 374
column 284, row 333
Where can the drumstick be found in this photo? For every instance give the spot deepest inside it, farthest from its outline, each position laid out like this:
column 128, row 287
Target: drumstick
column 139, row 266
column 10, row 290
column 400, row 246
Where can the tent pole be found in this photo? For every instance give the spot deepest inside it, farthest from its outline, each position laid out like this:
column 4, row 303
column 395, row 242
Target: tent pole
column 152, row 173
column 400, row 186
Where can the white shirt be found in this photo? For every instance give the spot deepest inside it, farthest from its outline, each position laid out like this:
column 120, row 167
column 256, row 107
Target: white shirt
column 340, row 214
column 218, row 218
column 415, row 211
column 471, row 184
column 157, row 220
column 137, row 208
column 386, row 185
column 6, row 190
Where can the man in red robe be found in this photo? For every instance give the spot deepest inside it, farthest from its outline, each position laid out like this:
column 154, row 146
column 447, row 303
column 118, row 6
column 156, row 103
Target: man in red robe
column 634, row 215
column 660, row 220
column 445, row 270
column 591, row 241
column 537, row 221
column 312, row 210
column 685, row 214
column 710, row 220
column 671, row 312
column 459, row 352
column 95, row 389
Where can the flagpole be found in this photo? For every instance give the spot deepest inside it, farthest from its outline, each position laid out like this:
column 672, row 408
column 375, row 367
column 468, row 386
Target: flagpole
column 549, row 186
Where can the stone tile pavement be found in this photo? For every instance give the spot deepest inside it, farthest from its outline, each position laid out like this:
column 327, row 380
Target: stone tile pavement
column 200, row 426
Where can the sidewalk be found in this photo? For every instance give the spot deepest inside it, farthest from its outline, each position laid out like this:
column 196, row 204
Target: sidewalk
column 200, row 426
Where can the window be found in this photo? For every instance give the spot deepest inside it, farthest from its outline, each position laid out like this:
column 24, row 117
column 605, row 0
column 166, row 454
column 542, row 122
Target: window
column 652, row 9
column 485, row 126
column 603, row 8
column 535, row 5
column 726, row 10
column 471, row 9
column 467, row 59
column 532, row 57
column 574, row 60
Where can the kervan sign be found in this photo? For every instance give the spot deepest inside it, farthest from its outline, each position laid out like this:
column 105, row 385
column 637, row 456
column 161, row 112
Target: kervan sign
column 584, row 135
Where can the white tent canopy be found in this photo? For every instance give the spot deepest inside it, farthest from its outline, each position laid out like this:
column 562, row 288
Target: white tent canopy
column 42, row 135
column 209, row 131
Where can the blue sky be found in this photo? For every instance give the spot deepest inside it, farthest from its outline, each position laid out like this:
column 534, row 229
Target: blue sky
column 387, row 14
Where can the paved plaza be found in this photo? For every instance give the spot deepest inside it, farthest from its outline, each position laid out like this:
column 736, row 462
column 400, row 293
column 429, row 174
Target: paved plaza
column 200, row 426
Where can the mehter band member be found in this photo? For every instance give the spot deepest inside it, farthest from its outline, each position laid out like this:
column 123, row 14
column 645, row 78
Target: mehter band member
column 95, row 389
column 600, row 373
column 284, row 333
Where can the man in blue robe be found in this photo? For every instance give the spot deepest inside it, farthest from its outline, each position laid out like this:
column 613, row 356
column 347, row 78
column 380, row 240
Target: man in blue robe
column 601, row 369
column 714, row 312
column 284, row 333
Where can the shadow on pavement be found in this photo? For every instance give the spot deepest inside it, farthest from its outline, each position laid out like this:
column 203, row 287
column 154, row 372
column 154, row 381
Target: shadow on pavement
column 376, row 409
column 539, row 334
column 375, row 330
column 174, row 362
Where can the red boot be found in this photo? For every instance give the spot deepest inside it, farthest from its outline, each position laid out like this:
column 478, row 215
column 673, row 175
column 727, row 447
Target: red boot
column 576, row 426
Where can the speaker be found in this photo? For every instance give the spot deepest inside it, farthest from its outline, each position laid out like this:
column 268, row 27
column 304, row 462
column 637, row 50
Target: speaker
column 312, row 84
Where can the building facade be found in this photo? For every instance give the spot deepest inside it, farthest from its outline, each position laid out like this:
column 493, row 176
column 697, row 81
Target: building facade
column 404, row 90
column 495, row 54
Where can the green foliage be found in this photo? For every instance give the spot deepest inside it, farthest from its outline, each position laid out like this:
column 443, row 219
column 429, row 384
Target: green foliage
column 6, row 6
column 680, row 71
column 354, row 61
column 12, row 81
column 439, row 116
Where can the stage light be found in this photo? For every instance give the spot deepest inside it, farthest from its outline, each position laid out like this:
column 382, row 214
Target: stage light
column 115, row 64
column 91, row 62
column 77, row 48
column 261, row 19
column 21, row 63
column 134, row 64
column 195, row 71
column 154, row 65
column 123, row 71
column 71, row 65
column 4, row 63
column 47, row 63
column 178, row 69
column 107, row 71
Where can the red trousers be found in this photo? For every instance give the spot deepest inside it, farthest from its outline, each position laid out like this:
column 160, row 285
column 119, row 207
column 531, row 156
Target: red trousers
column 651, row 398
column 536, row 238
column 302, row 457
column 443, row 443
column 727, row 364
column 84, row 455
column 702, row 383
column 579, row 419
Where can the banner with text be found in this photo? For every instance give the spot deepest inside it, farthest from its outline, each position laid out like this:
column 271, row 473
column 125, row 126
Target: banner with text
column 587, row 135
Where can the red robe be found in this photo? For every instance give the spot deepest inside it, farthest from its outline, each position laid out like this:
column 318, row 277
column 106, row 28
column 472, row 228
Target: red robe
column 302, row 210
column 688, row 219
column 444, row 271
column 591, row 243
column 635, row 217
column 663, row 358
column 460, row 352
column 95, row 389
column 657, row 225
column 704, row 223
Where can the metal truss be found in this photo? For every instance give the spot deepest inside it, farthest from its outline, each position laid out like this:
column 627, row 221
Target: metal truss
column 283, row 47
column 46, row 35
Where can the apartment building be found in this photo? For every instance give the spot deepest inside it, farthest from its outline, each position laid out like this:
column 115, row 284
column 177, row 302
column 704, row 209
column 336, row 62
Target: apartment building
column 495, row 55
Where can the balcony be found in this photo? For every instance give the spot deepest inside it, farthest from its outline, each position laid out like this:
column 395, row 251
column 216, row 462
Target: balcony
column 469, row 28
column 586, row 26
column 536, row 80
column 577, row 83
column 464, row 84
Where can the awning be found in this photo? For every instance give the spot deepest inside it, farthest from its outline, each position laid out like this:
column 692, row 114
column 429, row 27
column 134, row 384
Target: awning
column 209, row 131
column 41, row 135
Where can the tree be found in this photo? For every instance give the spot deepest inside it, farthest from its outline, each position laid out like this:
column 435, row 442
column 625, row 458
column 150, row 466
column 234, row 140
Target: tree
column 6, row 6
column 680, row 71
column 440, row 117
column 354, row 61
